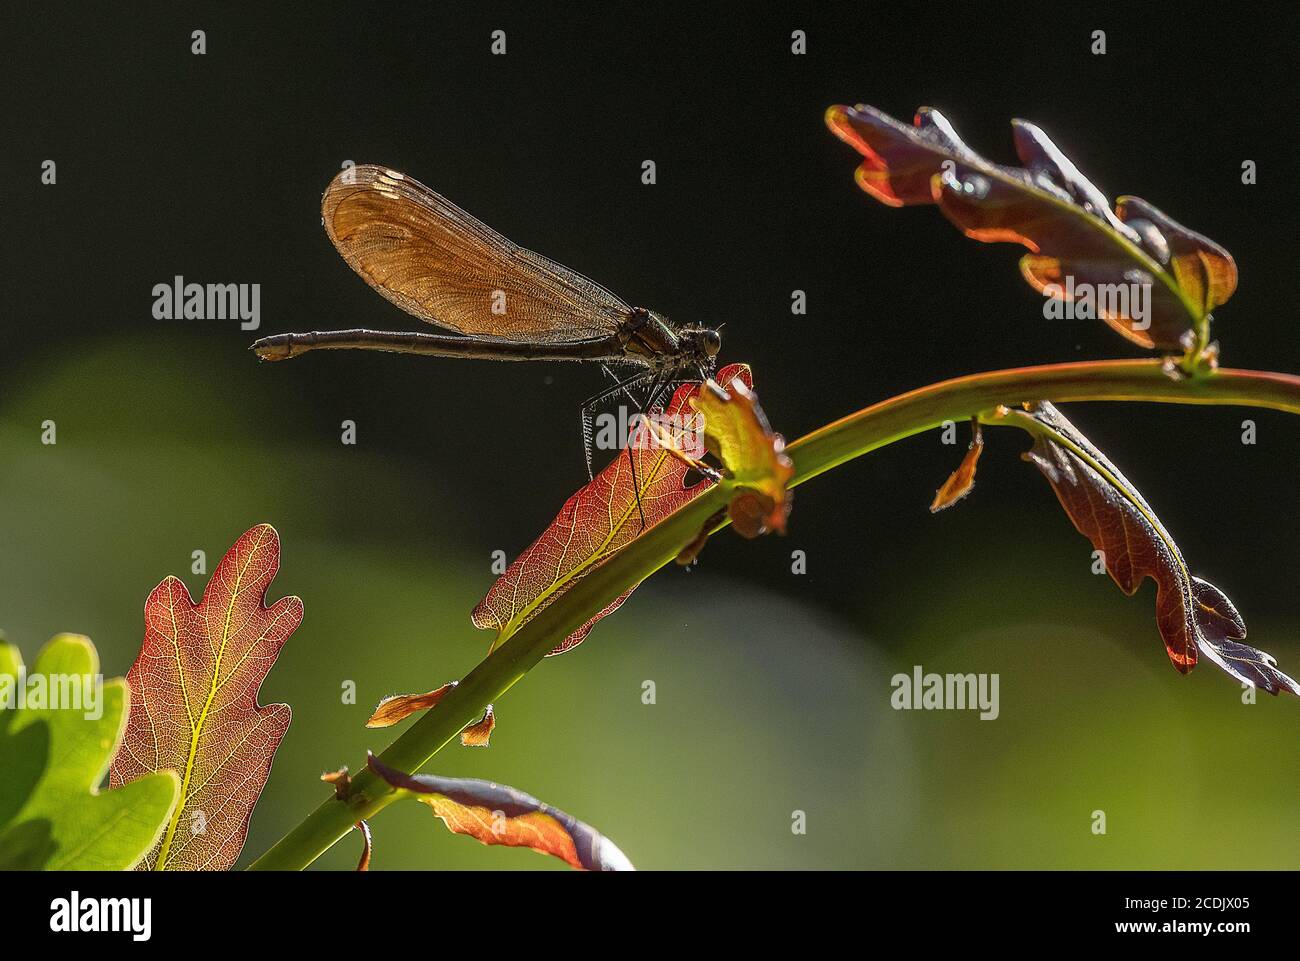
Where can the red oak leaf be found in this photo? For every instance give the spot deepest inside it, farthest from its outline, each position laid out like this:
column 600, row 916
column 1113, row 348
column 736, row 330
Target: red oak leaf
column 194, row 703
column 1078, row 244
column 602, row 518
column 498, row 814
column 1194, row 617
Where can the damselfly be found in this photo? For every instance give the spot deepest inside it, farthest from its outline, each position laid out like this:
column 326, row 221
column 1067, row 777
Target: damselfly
column 442, row 265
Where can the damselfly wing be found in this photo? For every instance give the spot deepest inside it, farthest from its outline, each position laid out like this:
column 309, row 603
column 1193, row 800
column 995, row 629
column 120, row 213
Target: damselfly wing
column 442, row 265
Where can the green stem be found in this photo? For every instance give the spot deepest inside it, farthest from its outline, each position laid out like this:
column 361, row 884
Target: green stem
column 873, row 427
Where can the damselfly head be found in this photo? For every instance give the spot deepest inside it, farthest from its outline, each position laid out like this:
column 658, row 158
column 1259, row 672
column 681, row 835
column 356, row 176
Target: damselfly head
column 703, row 342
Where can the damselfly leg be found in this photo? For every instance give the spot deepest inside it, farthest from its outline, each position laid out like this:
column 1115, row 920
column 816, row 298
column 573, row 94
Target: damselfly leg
column 591, row 404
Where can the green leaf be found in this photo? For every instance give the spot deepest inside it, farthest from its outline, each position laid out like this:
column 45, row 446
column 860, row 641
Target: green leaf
column 54, row 756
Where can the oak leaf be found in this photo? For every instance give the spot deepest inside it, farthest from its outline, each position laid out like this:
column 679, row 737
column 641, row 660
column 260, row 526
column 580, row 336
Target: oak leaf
column 605, row 516
column 1077, row 242
column 194, row 702
column 53, row 756
column 1194, row 617
column 498, row 814
column 753, row 458
column 602, row 518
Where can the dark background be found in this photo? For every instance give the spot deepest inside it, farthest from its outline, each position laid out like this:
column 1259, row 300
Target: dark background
column 174, row 437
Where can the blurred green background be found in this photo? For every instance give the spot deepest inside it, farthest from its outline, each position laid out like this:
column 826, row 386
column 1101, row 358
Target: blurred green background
column 772, row 688
column 766, row 704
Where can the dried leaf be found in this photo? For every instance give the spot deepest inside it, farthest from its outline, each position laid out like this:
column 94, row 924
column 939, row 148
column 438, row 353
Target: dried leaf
column 480, row 732
column 367, row 845
column 962, row 480
column 194, row 702
column 600, row 520
column 398, row 707
column 497, row 814
column 1073, row 235
column 754, row 513
column 341, row 780
column 1193, row 615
